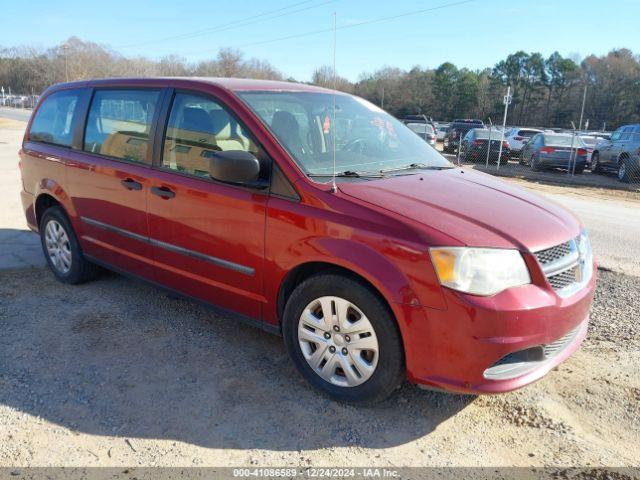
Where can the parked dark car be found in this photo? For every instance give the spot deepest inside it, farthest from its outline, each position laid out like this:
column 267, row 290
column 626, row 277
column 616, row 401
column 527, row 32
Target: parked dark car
column 620, row 154
column 476, row 142
column 457, row 131
column 314, row 215
column 555, row 150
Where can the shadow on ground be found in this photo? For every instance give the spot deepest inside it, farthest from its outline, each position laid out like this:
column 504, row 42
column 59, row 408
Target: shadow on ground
column 119, row 358
column 20, row 249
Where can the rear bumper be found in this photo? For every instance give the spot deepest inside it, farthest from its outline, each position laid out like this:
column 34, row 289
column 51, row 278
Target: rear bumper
column 461, row 349
column 29, row 209
column 561, row 162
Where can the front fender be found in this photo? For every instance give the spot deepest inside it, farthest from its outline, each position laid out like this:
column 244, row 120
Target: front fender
column 403, row 276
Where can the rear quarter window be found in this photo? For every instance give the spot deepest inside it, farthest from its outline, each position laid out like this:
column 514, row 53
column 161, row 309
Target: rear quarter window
column 55, row 119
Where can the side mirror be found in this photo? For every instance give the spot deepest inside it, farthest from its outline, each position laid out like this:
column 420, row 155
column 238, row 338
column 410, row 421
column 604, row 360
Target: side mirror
column 234, row 166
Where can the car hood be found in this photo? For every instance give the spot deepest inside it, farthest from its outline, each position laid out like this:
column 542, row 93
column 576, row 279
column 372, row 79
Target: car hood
column 472, row 207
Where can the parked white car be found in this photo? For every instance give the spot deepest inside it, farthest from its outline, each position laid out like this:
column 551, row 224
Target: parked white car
column 518, row 137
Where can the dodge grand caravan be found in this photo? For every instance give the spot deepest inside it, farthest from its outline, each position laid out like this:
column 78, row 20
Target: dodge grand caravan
column 223, row 190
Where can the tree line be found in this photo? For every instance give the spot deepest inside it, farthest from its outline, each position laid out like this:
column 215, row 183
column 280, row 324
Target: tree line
column 546, row 91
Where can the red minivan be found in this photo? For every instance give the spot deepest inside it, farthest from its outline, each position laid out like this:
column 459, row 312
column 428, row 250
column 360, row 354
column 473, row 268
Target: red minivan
column 315, row 215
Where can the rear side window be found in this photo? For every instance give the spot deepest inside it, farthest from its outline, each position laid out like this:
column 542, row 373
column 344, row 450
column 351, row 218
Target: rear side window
column 119, row 123
column 55, row 119
column 527, row 133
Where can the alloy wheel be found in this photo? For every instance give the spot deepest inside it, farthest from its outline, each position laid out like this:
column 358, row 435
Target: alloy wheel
column 58, row 246
column 338, row 341
column 622, row 171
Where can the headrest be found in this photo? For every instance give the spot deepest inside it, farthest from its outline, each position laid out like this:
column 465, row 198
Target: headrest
column 284, row 123
column 221, row 124
column 196, row 119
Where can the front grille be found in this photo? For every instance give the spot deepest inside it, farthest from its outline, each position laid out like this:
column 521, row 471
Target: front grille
column 563, row 279
column 561, row 265
column 554, row 348
column 552, row 254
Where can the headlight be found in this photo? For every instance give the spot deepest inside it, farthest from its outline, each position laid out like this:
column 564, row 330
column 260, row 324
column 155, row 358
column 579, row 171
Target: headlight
column 584, row 245
column 479, row 271
column 586, row 255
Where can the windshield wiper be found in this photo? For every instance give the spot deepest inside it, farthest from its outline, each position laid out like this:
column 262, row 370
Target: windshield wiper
column 350, row 173
column 416, row 166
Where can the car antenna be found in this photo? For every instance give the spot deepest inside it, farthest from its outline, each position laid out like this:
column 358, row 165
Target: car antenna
column 334, row 187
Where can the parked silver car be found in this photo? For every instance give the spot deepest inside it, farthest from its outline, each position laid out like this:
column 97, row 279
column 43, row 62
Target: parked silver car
column 424, row 131
column 620, row 154
column 441, row 131
column 554, row 150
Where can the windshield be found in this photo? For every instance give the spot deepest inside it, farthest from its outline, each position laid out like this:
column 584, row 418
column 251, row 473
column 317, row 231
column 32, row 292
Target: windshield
column 420, row 128
column 367, row 139
column 563, row 141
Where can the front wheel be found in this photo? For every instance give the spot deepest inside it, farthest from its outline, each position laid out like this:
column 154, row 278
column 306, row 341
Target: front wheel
column 624, row 172
column 534, row 164
column 343, row 339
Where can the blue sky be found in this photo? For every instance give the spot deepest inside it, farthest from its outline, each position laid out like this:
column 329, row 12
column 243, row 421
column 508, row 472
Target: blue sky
column 476, row 34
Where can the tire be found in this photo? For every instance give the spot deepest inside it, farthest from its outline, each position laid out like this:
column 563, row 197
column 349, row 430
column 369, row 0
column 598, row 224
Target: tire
column 62, row 250
column 579, row 170
column 521, row 159
column 373, row 375
column 595, row 163
column 624, row 170
column 534, row 164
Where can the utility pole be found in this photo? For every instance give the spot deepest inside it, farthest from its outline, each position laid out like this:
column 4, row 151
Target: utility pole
column 584, row 98
column 507, row 102
column 489, row 143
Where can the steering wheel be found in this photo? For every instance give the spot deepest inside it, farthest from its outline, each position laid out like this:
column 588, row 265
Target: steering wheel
column 357, row 145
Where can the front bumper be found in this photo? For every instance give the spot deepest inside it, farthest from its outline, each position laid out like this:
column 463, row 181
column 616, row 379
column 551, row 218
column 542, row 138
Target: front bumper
column 458, row 349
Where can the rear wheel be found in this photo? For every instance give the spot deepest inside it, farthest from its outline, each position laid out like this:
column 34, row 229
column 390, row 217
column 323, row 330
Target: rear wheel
column 595, row 163
column 61, row 248
column 343, row 340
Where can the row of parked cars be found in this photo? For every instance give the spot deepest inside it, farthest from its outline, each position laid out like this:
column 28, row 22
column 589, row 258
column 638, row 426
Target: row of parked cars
column 539, row 149
column 18, row 101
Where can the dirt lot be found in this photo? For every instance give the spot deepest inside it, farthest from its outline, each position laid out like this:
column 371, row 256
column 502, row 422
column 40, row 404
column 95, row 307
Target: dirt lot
column 117, row 373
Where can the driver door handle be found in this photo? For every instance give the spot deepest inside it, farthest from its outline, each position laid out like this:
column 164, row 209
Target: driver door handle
column 163, row 192
column 131, row 184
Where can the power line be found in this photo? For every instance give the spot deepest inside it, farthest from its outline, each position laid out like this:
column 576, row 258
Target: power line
column 343, row 27
column 235, row 24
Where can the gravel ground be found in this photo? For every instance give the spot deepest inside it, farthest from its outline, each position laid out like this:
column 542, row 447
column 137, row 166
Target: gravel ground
column 118, row 373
